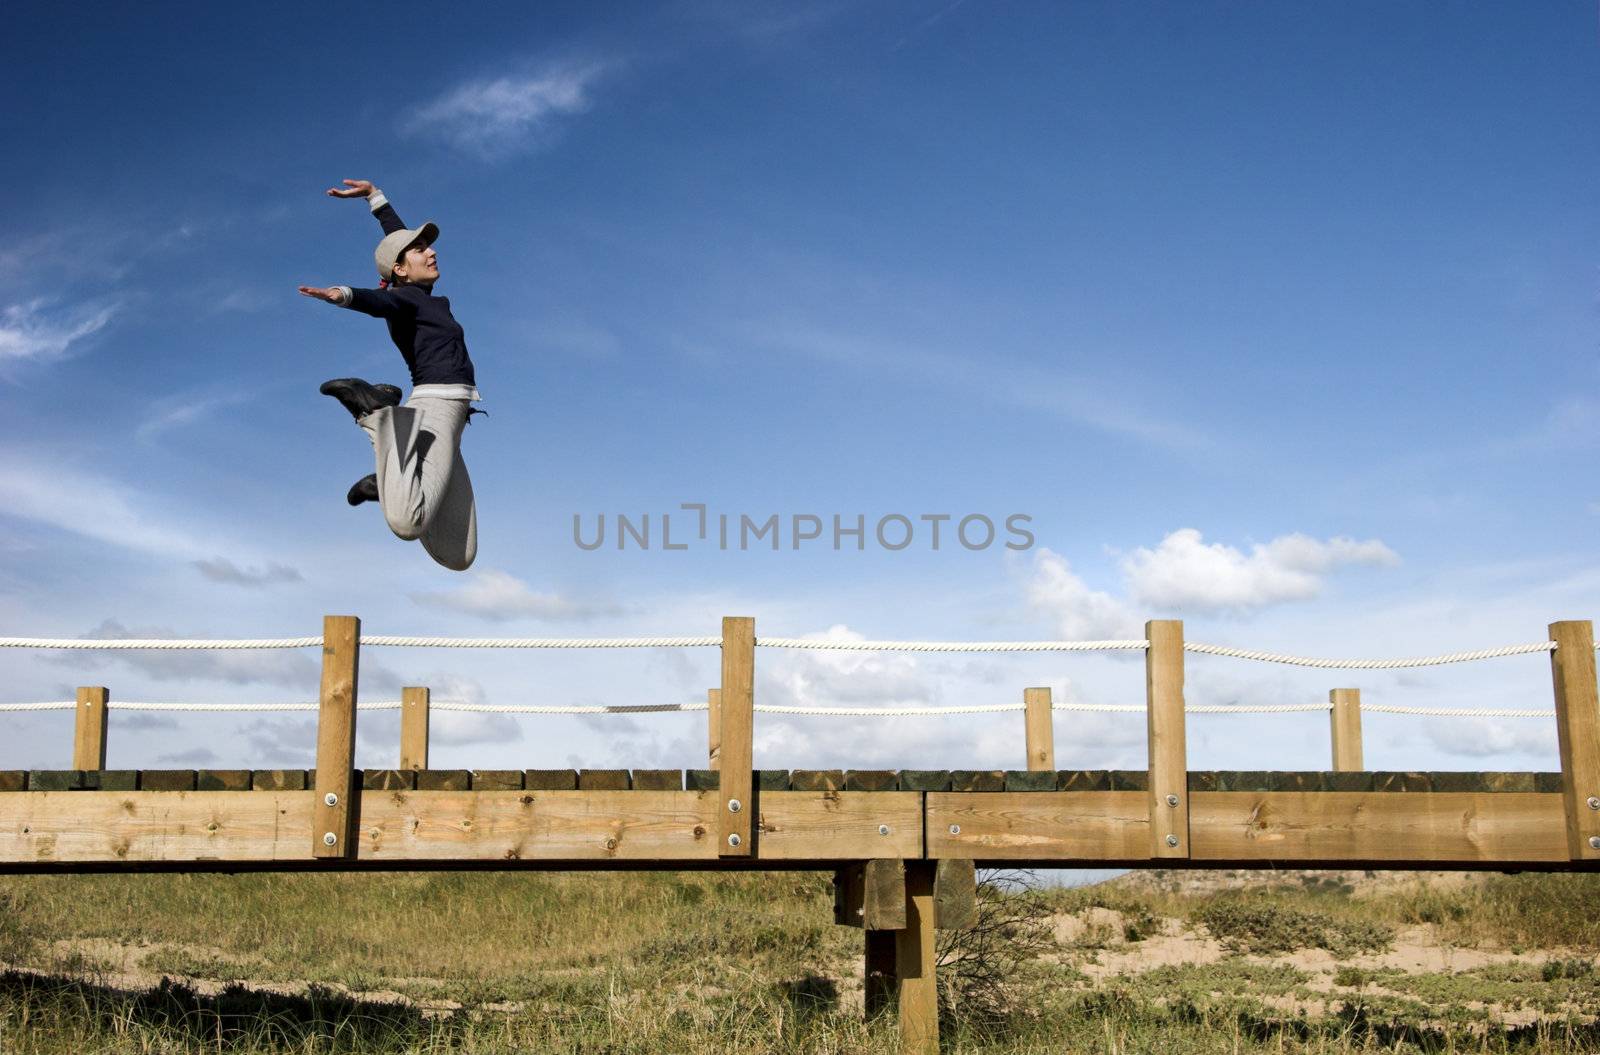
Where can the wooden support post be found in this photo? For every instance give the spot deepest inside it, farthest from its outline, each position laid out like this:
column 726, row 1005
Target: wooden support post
column 414, row 704
column 914, row 965
column 1578, row 732
column 1345, row 719
column 955, row 894
column 714, row 726
column 89, row 730
column 734, row 738
column 1169, row 775
column 879, row 977
column 336, row 738
column 1041, row 735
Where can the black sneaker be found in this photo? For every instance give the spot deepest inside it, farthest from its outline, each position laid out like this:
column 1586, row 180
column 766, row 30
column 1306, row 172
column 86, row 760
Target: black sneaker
column 363, row 490
column 358, row 397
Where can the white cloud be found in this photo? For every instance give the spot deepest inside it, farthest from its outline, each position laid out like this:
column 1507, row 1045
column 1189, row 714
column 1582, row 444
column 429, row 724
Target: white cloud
column 1186, row 572
column 220, row 569
column 1079, row 613
column 508, row 114
column 30, row 333
column 91, row 506
column 498, row 596
column 1490, row 738
column 176, row 411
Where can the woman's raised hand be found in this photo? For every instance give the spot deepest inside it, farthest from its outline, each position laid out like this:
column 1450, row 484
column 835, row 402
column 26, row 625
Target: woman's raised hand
column 321, row 294
column 353, row 188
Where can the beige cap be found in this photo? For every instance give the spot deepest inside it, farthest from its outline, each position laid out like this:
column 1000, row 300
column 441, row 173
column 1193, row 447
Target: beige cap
column 395, row 244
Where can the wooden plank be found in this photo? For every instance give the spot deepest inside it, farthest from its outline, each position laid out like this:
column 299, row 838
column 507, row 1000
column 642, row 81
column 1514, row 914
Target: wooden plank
column 955, row 894
column 1083, row 780
column 550, row 779
column 871, row 780
column 1345, row 729
column 1030, row 780
column 1578, row 733
column 602, row 780
column 388, row 779
column 713, row 728
column 1358, row 781
column 1066, row 825
column 914, row 965
column 166, row 780
column 336, row 737
column 735, row 737
column 1285, row 826
column 977, row 780
column 840, row 825
column 534, row 825
column 702, row 779
column 772, row 779
column 220, row 780
column 658, row 779
column 1038, row 723
column 56, row 779
column 13, row 780
column 101, row 826
column 89, row 728
column 445, row 780
column 883, row 894
column 849, row 890
column 1169, row 781
column 878, row 975
column 816, row 780
column 117, row 780
column 278, row 780
column 925, row 780
column 1399, row 781
column 415, row 702
column 1509, row 782
column 499, row 780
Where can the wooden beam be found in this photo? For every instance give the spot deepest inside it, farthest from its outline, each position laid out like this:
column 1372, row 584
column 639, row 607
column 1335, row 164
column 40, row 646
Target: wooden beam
column 139, row 826
column 883, row 901
column 914, row 965
column 1578, row 732
column 1416, row 828
column 89, row 730
column 1169, row 777
column 714, row 727
column 878, row 974
column 1037, row 825
column 955, row 894
column 336, row 737
column 1345, row 722
column 414, row 703
column 848, row 825
column 735, row 731
column 1041, row 736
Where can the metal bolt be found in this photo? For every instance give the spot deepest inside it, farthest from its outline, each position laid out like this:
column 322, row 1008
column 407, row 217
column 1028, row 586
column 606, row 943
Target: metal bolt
column 734, row 840
column 883, row 829
column 734, row 805
column 1594, row 842
column 328, row 839
column 1594, row 803
column 331, row 799
column 955, row 829
column 1172, row 800
column 1172, row 840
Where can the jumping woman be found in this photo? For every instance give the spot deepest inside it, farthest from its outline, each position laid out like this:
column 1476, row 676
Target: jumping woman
column 421, row 482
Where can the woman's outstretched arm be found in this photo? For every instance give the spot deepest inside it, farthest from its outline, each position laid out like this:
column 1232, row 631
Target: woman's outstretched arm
column 363, row 188
column 379, row 303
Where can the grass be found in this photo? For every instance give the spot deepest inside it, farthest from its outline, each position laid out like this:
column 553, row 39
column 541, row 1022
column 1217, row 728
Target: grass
column 471, row 963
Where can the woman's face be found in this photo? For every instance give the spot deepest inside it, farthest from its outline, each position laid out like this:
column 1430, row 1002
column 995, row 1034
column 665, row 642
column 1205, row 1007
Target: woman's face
column 420, row 264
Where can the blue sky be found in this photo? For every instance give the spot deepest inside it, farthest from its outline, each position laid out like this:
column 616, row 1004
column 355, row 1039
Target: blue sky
column 1277, row 319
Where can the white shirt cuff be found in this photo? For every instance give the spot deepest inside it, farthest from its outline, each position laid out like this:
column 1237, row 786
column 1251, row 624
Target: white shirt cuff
column 376, row 200
column 346, row 295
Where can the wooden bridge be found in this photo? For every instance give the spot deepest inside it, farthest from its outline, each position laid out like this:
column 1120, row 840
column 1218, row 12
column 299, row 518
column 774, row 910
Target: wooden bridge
column 903, row 845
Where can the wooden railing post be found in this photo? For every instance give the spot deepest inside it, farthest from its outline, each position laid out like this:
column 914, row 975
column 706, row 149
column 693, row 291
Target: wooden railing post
column 914, row 964
column 1345, row 727
column 714, row 727
column 734, row 739
column 89, row 728
column 1041, row 734
column 414, row 703
column 1578, row 732
column 332, row 820
column 1169, row 773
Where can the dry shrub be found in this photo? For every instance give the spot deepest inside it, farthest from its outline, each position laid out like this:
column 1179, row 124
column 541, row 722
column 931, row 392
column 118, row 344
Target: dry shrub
column 978, row 967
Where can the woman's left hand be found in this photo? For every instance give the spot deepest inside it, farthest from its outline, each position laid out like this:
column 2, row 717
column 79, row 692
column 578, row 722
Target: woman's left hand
column 331, row 296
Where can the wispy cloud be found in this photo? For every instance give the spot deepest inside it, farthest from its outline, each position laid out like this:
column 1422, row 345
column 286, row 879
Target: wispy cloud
column 220, row 569
column 184, row 409
column 92, row 506
column 499, row 597
column 30, row 332
column 1186, row 572
column 510, row 114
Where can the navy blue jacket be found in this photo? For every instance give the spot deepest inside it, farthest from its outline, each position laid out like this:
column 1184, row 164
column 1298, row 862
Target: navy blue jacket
column 420, row 324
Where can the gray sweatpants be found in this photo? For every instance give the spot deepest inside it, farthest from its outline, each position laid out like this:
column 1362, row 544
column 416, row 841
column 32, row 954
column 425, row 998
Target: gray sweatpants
column 422, row 482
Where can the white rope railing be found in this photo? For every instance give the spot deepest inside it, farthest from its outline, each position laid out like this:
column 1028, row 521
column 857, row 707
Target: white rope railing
column 1368, row 664
column 226, row 645
column 842, row 645
column 1457, row 712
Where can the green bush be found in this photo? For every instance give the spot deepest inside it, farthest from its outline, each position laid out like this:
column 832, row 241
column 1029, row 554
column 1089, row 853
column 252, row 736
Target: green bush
column 1269, row 927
